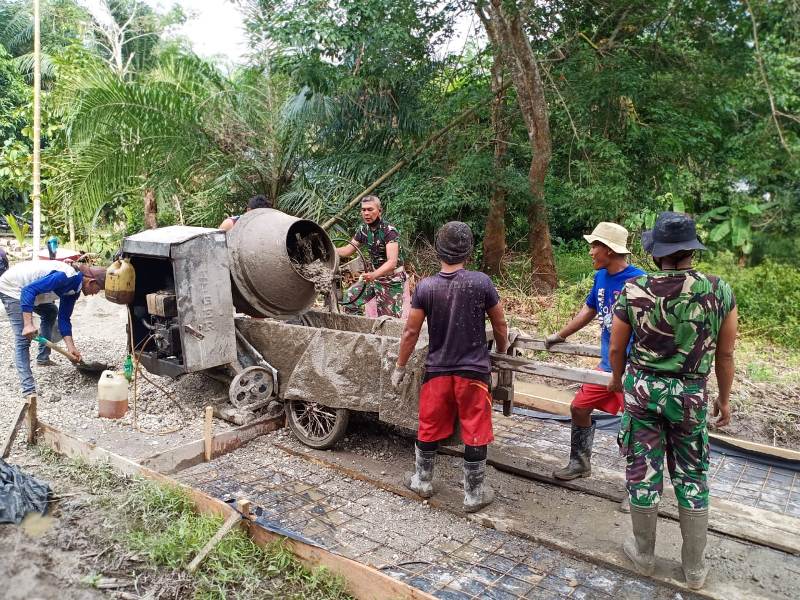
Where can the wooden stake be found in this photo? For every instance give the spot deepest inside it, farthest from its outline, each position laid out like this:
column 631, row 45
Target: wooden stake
column 229, row 523
column 23, row 408
column 208, row 438
column 33, row 422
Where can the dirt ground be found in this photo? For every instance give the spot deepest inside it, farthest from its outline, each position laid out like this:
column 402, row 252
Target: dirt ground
column 72, row 552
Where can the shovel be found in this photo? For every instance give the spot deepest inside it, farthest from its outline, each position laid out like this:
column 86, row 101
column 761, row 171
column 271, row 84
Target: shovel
column 90, row 368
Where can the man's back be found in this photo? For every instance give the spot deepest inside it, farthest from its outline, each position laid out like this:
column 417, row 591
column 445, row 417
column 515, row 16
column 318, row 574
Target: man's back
column 455, row 306
column 676, row 317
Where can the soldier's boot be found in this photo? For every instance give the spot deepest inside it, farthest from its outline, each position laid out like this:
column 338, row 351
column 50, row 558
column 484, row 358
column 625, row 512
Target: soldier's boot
column 477, row 494
column 420, row 481
column 694, row 526
column 580, row 454
column 641, row 547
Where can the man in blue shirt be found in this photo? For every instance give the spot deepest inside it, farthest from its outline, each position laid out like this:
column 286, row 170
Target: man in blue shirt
column 33, row 286
column 609, row 252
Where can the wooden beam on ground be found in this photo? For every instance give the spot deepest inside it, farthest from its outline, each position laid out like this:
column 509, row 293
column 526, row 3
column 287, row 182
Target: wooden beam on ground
column 557, row 405
column 22, row 410
column 188, row 455
column 32, row 419
column 361, row 581
column 232, row 520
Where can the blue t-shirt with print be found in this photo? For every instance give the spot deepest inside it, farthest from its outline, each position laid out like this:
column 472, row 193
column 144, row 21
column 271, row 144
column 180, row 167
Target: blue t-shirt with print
column 604, row 294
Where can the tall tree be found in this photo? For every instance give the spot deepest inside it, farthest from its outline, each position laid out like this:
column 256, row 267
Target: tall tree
column 506, row 29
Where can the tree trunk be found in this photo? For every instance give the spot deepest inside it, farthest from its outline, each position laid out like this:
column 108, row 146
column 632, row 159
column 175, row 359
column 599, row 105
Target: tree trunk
column 505, row 29
column 494, row 239
column 150, row 209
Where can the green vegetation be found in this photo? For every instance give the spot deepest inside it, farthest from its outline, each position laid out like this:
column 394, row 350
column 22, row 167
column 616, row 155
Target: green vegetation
column 159, row 523
column 652, row 106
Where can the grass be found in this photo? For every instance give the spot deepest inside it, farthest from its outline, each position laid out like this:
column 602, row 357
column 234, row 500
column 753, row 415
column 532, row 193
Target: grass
column 158, row 523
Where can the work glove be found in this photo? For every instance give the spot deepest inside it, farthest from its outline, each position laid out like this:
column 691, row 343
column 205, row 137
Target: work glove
column 398, row 375
column 512, row 337
column 552, row 340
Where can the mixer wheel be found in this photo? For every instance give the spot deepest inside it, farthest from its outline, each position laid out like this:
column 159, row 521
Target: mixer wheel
column 250, row 386
column 316, row 425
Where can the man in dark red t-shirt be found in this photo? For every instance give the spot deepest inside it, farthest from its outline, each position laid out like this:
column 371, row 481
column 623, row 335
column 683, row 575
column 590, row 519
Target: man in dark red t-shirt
column 457, row 369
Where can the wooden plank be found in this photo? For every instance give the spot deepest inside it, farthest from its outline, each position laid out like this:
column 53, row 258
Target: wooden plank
column 232, row 520
column 208, row 433
column 532, row 367
column 559, row 406
column 529, row 343
column 32, row 420
column 362, row 581
column 22, row 410
column 188, row 455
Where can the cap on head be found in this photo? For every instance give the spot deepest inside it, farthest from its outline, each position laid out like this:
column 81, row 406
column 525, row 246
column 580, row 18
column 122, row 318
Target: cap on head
column 612, row 235
column 672, row 233
column 454, row 242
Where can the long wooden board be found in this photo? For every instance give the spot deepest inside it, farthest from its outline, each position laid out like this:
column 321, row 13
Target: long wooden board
column 536, row 397
column 362, row 582
column 532, row 367
column 188, row 455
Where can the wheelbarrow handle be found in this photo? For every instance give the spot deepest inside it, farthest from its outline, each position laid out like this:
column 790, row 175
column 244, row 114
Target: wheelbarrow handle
column 55, row 347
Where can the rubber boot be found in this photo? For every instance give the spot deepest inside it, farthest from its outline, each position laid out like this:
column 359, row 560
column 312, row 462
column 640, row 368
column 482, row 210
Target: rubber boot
column 579, row 455
column 641, row 547
column 625, row 504
column 694, row 525
column 420, row 481
column 477, row 494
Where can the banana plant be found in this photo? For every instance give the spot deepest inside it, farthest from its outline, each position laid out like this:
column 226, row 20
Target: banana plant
column 20, row 231
column 733, row 224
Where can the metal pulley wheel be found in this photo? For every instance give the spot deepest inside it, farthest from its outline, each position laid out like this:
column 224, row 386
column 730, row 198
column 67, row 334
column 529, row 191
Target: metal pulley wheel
column 251, row 385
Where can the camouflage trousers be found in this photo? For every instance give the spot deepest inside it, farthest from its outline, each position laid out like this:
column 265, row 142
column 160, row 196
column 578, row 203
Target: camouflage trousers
column 388, row 297
column 665, row 417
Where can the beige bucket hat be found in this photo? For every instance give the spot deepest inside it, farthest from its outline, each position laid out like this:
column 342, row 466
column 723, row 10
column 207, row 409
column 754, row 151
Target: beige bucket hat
column 612, row 235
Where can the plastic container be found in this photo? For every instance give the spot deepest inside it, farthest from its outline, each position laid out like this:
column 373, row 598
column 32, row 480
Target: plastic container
column 112, row 395
column 120, row 282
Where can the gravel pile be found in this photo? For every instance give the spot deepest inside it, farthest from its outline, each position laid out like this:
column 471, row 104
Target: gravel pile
column 68, row 399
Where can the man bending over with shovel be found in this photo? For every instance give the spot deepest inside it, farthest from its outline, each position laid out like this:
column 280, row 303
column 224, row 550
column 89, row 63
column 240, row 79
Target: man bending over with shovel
column 457, row 369
column 32, row 286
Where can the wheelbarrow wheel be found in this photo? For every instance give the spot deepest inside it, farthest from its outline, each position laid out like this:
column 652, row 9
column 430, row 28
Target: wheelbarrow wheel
column 316, row 425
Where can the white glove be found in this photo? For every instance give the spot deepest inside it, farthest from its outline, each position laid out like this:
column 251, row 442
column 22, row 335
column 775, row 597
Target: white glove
column 397, row 375
column 552, row 340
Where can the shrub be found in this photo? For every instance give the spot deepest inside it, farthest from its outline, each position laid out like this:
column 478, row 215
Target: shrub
column 768, row 296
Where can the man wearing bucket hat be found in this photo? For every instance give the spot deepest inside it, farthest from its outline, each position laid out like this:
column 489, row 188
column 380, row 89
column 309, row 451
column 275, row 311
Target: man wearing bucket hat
column 682, row 321
column 609, row 252
column 457, row 369
column 32, row 286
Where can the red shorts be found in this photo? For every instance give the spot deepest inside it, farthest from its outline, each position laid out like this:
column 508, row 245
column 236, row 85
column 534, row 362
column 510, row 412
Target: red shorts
column 598, row 397
column 445, row 396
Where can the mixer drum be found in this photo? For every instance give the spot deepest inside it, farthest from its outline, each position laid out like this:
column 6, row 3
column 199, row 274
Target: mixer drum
column 266, row 247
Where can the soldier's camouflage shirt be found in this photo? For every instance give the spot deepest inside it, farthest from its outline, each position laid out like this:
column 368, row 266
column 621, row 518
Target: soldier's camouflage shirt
column 375, row 239
column 676, row 317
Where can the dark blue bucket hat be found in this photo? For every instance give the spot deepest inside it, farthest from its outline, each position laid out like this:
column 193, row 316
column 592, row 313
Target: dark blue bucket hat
column 672, row 233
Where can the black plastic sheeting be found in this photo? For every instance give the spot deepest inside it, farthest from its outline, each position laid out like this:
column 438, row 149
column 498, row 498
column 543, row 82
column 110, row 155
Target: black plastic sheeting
column 20, row 494
column 610, row 423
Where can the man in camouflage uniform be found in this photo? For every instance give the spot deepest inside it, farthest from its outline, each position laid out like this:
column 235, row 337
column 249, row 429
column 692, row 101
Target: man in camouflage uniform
column 682, row 321
column 384, row 274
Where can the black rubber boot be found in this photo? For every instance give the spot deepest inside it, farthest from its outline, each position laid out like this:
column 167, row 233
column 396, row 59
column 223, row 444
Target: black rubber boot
column 477, row 494
column 641, row 547
column 420, row 481
column 694, row 526
column 580, row 454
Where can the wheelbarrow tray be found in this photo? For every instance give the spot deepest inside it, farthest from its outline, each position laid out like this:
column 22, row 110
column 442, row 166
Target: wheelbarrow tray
column 341, row 361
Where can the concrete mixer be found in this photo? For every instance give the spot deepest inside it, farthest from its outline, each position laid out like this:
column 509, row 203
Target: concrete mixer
column 190, row 281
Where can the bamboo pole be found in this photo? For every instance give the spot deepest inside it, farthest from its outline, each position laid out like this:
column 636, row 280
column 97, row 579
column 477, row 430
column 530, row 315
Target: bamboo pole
column 37, row 130
column 404, row 161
